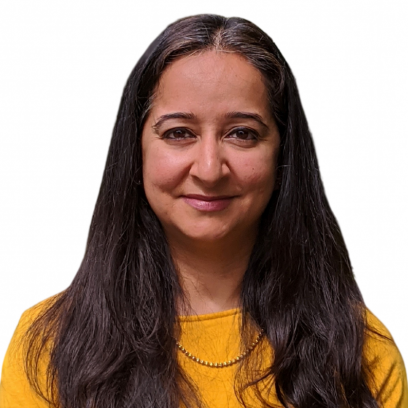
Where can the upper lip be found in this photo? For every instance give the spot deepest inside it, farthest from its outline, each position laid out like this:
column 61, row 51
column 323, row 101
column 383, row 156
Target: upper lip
column 207, row 197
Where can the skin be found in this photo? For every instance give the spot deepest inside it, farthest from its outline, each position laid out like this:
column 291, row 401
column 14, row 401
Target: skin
column 208, row 176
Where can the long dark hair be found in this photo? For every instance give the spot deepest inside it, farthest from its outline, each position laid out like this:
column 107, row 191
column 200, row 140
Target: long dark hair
column 110, row 336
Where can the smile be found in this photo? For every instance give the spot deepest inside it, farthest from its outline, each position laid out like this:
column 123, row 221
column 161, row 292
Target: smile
column 208, row 203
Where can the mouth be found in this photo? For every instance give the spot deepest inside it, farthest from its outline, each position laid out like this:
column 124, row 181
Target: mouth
column 207, row 197
column 207, row 203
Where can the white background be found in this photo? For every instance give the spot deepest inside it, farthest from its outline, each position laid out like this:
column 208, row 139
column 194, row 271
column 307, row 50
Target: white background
column 62, row 71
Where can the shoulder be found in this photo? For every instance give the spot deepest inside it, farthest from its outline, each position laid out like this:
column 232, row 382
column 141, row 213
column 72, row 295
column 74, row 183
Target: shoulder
column 15, row 389
column 387, row 369
column 28, row 317
column 37, row 310
column 379, row 343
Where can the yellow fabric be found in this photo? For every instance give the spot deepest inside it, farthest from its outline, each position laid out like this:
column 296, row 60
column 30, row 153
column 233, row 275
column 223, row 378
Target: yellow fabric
column 15, row 391
column 215, row 337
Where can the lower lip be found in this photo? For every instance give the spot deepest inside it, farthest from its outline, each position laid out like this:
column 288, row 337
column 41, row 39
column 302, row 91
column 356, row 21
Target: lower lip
column 209, row 206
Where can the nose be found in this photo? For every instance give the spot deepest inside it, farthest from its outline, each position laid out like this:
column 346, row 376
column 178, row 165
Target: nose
column 210, row 164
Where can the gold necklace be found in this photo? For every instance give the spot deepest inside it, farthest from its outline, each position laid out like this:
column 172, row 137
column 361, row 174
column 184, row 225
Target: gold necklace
column 225, row 363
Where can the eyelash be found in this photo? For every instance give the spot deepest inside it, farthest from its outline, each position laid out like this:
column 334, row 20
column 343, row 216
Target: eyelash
column 254, row 134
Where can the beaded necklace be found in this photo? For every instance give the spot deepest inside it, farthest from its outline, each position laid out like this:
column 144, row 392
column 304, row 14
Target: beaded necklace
column 225, row 363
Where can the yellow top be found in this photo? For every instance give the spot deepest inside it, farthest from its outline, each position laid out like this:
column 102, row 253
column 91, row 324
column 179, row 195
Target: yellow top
column 215, row 337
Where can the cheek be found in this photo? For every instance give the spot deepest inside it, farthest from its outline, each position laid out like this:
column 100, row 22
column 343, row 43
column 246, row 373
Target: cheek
column 161, row 169
column 257, row 173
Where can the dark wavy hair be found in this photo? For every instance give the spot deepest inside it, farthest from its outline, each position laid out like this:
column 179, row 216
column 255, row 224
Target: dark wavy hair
column 111, row 335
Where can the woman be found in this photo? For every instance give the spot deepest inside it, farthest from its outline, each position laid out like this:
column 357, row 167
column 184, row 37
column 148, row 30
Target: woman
column 215, row 273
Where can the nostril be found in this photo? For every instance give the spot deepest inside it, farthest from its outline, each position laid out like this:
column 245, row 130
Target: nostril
column 209, row 169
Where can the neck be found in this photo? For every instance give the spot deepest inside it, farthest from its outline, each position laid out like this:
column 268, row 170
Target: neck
column 211, row 273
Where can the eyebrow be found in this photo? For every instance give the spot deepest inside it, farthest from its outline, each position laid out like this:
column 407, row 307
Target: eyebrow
column 191, row 116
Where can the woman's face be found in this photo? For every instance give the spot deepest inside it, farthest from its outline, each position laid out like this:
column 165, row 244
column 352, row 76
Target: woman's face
column 210, row 148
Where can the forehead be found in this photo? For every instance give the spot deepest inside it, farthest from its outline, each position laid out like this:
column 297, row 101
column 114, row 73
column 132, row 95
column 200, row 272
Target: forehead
column 212, row 79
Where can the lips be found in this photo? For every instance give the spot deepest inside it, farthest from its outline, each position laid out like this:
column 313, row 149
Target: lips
column 206, row 198
column 208, row 203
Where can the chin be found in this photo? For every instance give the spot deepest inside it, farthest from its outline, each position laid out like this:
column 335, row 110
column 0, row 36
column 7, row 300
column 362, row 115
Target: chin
column 206, row 236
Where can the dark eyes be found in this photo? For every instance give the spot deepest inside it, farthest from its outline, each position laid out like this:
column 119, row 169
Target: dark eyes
column 241, row 133
column 244, row 134
column 177, row 134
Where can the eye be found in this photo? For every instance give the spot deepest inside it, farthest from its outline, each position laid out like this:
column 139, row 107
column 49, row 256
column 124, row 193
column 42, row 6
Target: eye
column 243, row 133
column 177, row 134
